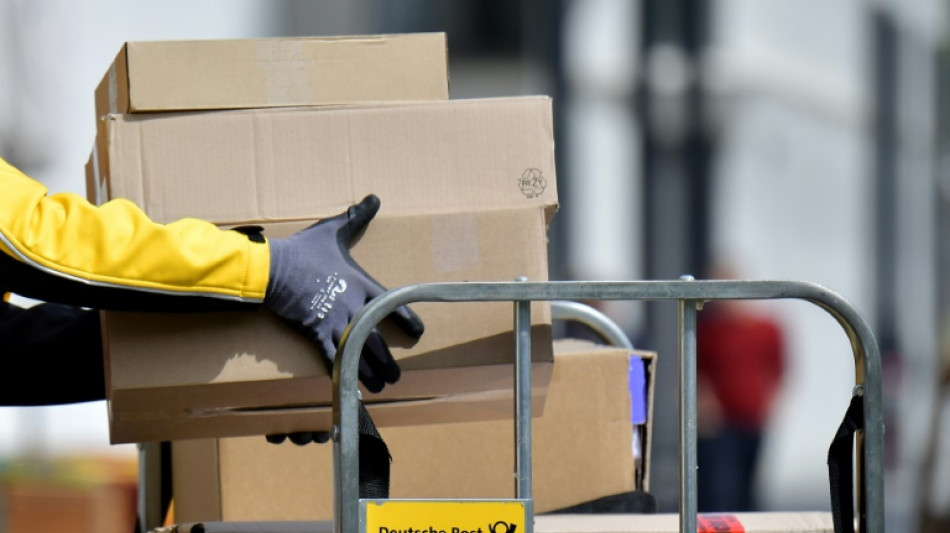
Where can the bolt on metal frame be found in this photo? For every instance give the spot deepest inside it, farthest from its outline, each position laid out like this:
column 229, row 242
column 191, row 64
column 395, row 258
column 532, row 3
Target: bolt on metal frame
column 690, row 294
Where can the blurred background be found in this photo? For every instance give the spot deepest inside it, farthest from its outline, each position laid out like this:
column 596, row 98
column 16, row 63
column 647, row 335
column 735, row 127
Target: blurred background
column 794, row 139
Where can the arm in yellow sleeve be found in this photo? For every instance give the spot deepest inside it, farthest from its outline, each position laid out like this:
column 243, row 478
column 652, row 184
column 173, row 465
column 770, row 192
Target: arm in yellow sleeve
column 62, row 248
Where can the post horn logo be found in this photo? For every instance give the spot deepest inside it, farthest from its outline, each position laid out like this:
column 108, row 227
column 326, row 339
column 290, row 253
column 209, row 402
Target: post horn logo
column 502, row 527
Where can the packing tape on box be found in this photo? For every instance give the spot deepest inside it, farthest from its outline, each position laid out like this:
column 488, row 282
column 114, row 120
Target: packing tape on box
column 455, row 242
column 284, row 85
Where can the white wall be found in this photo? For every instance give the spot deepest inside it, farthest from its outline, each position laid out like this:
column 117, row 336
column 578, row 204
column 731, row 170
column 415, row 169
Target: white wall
column 793, row 202
column 792, row 194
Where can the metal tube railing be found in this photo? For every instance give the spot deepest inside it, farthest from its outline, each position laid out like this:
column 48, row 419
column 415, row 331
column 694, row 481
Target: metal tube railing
column 866, row 358
column 605, row 328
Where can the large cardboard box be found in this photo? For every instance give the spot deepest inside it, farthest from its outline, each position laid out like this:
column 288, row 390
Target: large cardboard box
column 162, row 76
column 262, row 165
column 150, row 76
column 467, row 189
column 582, row 450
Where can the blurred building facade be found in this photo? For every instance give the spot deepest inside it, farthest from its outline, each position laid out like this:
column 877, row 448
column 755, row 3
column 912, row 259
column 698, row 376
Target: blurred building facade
column 804, row 140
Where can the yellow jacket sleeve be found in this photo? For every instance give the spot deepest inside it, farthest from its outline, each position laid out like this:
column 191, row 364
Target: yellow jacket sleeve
column 116, row 246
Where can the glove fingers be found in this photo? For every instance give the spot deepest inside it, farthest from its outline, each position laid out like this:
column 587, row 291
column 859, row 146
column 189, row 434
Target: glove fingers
column 373, row 370
column 328, row 347
column 377, row 366
column 358, row 216
column 390, row 370
column 301, row 438
column 404, row 318
column 368, row 377
column 408, row 321
column 276, row 438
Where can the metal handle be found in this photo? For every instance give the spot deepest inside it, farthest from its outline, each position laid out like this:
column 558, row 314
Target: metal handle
column 866, row 357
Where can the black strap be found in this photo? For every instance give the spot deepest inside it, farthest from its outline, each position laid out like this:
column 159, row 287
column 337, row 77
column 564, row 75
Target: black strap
column 633, row 502
column 841, row 467
column 374, row 459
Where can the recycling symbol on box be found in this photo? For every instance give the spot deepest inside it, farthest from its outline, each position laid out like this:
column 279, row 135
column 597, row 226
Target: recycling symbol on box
column 532, row 183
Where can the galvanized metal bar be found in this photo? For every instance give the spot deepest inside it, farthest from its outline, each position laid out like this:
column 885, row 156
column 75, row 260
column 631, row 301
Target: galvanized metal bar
column 522, row 395
column 866, row 355
column 688, row 461
column 345, row 435
column 599, row 323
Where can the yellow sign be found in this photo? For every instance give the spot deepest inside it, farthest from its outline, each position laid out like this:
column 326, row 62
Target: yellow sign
column 453, row 516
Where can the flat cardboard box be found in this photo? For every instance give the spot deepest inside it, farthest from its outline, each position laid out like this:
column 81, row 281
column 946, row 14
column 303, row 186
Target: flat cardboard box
column 225, row 374
column 163, row 76
column 152, row 76
column 247, row 479
column 467, row 189
column 249, row 166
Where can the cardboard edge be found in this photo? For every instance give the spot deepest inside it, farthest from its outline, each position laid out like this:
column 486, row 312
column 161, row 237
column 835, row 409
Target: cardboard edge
column 651, row 364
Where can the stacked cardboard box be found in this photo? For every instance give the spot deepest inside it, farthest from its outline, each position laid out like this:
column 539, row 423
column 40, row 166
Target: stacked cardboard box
column 582, row 451
column 467, row 188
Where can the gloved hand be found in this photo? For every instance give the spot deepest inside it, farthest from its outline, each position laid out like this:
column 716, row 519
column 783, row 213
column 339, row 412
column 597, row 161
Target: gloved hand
column 317, row 288
column 300, row 438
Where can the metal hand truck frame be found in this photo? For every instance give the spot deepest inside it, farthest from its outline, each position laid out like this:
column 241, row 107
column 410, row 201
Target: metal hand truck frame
column 350, row 511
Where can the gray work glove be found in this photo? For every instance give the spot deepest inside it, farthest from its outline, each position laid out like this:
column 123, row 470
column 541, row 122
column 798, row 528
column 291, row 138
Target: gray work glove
column 317, row 288
column 300, row 438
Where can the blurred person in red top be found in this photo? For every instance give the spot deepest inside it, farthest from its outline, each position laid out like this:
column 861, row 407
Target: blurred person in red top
column 740, row 361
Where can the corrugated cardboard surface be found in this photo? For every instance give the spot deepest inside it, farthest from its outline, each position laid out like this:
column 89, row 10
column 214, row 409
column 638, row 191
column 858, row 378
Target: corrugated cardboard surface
column 150, row 76
column 304, row 163
column 467, row 188
column 808, row 522
column 213, row 374
column 582, row 441
column 588, row 394
column 153, row 76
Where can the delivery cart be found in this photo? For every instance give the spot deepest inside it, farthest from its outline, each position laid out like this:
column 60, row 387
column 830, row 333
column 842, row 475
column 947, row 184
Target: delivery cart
column 154, row 458
column 353, row 514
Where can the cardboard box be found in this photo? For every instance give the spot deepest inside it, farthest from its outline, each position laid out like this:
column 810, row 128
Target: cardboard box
column 162, row 76
column 247, row 479
column 467, row 189
column 224, row 374
column 235, row 167
column 150, row 76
